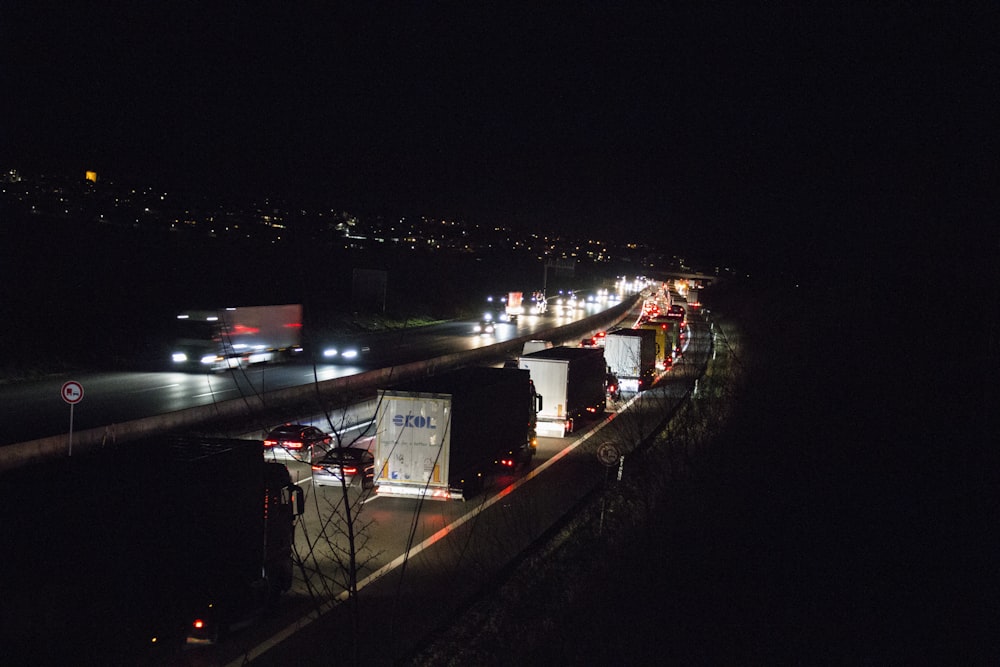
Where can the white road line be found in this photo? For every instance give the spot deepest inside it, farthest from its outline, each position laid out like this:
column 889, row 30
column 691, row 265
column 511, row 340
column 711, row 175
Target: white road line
column 165, row 386
column 215, row 393
column 314, row 615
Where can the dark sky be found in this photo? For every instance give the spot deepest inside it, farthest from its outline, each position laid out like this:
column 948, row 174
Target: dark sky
column 773, row 130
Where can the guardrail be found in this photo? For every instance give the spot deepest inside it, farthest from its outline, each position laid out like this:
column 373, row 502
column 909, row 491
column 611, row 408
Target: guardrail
column 318, row 394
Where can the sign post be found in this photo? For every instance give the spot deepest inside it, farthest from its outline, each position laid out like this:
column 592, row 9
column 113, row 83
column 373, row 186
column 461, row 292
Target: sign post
column 72, row 393
column 608, row 455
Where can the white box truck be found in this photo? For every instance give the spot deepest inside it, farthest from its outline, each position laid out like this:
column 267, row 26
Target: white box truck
column 570, row 381
column 631, row 356
column 443, row 436
column 226, row 338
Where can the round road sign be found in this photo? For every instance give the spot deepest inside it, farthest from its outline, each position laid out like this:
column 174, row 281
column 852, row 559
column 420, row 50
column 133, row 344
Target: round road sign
column 72, row 392
column 607, row 454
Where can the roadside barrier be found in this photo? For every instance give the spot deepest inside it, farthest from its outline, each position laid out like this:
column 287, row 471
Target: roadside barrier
column 327, row 392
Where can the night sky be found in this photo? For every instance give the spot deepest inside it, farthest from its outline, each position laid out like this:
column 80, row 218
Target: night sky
column 781, row 133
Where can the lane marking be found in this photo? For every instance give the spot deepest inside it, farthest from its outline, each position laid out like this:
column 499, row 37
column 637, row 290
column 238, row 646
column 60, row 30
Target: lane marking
column 166, row 386
column 314, row 615
column 215, row 393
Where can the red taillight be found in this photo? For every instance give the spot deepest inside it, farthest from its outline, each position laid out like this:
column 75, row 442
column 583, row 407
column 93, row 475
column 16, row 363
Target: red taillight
column 270, row 443
column 198, row 624
column 292, row 444
column 351, row 470
column 317, row 467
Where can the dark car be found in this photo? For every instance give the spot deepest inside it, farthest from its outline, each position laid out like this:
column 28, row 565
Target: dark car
column 344, row 465
column 297, row 442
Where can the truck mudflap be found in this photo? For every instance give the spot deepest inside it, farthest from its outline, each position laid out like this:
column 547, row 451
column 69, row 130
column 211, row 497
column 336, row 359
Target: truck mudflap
column 466, row 489
column 387, row 488
column 557, row 428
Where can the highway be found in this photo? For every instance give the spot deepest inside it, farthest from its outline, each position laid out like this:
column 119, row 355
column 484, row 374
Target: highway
column 422, row 561
column 418, row 562
column 33, row 410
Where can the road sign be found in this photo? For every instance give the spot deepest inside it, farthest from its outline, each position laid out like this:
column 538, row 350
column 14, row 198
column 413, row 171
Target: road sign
column 72, row 392
column 607, row 454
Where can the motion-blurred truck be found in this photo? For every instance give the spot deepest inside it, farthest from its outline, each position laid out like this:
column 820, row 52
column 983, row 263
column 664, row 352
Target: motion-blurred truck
column 225, row 338
column 514, row 307
column 442, row 437
column 571, row 381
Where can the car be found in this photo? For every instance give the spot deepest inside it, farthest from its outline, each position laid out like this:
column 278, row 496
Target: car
column 346, row 352
column 297, row 442
column 345, row 465
column 485, row 327
column 612, row 386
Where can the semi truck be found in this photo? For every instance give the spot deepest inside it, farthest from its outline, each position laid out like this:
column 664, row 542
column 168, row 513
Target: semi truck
column 136, row 552
column 528, row 347
column 663, row 356
column 534, row 345
column 225, row 338
column 443, row 436
column 571, row 381
column 668, row 340
column 631, row 356
column 514, row 307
